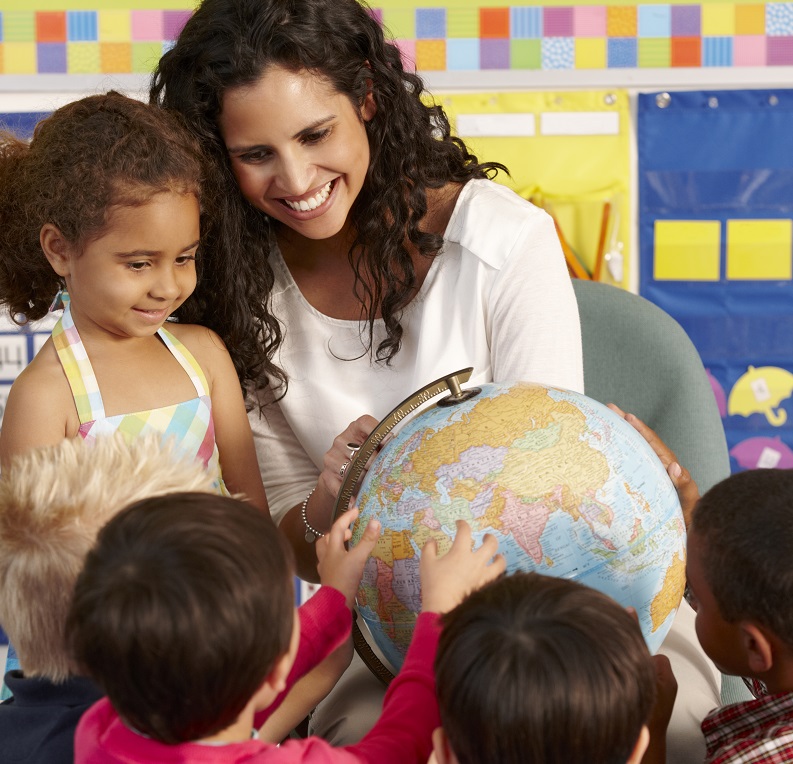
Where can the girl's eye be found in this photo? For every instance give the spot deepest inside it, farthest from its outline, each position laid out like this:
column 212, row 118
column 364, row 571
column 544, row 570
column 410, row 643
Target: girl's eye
column 137, row 266
column 185, row 260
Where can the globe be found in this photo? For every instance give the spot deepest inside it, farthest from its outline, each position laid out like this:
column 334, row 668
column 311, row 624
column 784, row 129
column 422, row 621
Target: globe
column 568, row 488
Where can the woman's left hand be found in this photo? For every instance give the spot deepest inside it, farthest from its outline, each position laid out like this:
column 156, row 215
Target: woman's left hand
column 339, row 456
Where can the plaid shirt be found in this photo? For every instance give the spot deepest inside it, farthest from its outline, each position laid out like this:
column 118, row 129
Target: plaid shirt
column 753, row 732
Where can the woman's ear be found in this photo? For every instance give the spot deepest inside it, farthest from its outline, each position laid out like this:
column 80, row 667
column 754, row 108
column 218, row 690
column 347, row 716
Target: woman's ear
column 56, row 248
column 368, row 107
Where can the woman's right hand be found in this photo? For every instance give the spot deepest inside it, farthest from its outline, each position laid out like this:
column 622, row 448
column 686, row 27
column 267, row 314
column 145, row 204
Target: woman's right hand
column 319, row 505
column 338, row 457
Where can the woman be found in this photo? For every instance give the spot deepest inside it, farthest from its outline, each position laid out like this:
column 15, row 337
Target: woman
column 353, row 250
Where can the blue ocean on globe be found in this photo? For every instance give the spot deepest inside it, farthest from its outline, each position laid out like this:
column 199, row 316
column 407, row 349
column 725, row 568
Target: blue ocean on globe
column 568, row 488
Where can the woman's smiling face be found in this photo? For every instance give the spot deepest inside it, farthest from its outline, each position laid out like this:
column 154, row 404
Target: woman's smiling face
column 298, row 149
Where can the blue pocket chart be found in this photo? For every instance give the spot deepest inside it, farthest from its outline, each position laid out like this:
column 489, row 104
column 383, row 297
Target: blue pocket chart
column 716, row 250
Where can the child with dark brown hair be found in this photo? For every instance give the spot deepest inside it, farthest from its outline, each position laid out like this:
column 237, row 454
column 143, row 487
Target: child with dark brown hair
column 539, row 670
column 184, row 615
column 740, row 575
column 101, row 211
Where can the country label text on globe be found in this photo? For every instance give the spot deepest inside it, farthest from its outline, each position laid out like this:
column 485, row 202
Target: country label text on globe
column 568, row 488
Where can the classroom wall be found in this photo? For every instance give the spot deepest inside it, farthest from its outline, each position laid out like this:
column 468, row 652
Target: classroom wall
column 598, row 108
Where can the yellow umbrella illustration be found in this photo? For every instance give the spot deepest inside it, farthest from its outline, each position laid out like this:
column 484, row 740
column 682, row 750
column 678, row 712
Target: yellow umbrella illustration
column 760, row 391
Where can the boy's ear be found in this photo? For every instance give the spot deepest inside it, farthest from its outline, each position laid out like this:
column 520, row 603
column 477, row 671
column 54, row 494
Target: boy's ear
column 441, row 750
column 56, row 248
column 274, row 683
column 757, row 647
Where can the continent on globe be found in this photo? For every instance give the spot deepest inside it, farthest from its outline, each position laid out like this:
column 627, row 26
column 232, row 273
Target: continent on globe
column 568, row 488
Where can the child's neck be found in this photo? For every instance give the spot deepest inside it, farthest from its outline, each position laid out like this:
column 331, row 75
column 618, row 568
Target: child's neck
column 237, row 732
column 780, row 678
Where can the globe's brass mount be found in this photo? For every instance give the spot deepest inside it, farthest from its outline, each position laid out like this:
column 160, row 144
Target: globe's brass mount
column 451, row 383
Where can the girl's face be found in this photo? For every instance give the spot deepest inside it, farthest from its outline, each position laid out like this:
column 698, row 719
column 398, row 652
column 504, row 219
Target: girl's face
column 298, row 149
column 138, row 272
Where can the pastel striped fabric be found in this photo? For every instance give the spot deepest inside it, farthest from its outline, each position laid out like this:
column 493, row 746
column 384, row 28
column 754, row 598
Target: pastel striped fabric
column 188, row 423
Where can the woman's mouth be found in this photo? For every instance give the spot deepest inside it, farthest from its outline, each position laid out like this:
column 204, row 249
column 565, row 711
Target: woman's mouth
column 312, row 202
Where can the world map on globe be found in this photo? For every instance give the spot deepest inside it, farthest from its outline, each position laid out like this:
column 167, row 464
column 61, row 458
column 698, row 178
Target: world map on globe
column 568, row 488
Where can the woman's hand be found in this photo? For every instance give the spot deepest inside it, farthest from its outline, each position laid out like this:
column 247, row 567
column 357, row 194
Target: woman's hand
column 687, row 490
column 319, row 504
column 338, row 458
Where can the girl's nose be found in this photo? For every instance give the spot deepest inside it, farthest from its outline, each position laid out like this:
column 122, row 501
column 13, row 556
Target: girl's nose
column 165, row 286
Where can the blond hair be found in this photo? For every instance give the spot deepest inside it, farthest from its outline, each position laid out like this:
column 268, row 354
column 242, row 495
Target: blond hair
column 53, row 501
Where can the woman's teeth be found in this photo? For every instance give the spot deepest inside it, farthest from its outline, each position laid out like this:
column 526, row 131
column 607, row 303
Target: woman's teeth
column 304, row 205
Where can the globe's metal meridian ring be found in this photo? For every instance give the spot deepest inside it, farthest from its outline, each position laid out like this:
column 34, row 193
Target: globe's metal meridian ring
column 351, row 476
column 450, row 383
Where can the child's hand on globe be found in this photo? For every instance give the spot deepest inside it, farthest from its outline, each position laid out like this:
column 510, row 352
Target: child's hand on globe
column 446, row 580
column 339, row 567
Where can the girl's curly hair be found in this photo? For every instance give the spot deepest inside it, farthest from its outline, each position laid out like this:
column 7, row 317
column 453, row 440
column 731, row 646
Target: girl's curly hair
column 89, row 156
column 230, row 43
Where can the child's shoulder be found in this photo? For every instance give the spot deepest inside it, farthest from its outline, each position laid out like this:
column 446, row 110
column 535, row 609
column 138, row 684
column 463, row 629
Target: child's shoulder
column 204, row 344
column 40, row 408
column 43, row 374
column 195, row 335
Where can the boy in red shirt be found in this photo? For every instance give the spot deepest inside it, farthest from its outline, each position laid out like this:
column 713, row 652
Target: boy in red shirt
column 184, row 616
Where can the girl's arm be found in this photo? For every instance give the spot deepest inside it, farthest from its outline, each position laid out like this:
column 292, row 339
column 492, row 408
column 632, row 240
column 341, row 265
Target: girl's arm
column 232, row 429
column 40, row 410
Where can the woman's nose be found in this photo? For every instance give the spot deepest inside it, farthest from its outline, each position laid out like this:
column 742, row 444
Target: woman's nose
column 296, row 174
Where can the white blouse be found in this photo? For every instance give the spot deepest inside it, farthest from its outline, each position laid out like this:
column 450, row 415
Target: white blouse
column 498, row 298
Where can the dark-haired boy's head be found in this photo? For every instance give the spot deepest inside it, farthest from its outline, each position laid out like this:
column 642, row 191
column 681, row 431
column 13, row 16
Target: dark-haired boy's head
column 538, row 670
column 182, row 609
column 740, row 566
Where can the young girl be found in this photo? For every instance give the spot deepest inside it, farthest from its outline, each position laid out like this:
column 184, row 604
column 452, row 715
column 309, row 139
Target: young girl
column 101, row 213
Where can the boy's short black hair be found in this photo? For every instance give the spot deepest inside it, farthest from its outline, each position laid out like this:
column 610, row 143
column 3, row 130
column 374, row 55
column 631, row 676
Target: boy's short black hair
column 182, row 608
column 745, row 524
column 538, row 670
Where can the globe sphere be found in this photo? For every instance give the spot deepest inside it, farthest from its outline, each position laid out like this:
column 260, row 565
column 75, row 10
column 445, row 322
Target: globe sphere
column 567, row 487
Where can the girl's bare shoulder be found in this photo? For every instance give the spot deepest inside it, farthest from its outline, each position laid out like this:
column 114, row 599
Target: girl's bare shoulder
column 44, row 371
column 40, row 408
column 196, row 338
column 205, row 345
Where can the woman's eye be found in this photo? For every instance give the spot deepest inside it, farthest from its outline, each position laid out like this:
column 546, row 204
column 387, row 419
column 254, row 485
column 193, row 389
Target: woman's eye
column 254, row 157
column 316, row 137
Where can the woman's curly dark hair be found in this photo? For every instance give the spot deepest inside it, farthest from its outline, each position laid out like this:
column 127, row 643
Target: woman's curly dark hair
column 228, row 44
column 86, row 158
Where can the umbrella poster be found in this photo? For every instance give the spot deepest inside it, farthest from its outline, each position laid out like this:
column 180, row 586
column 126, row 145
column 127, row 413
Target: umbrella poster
column 716, row 250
